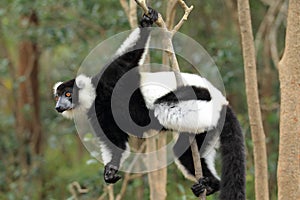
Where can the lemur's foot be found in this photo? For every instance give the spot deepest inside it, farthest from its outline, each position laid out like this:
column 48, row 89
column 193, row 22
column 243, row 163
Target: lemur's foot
column 211, row 185
column 150, row 18
column 110, row 174
column 200, row 187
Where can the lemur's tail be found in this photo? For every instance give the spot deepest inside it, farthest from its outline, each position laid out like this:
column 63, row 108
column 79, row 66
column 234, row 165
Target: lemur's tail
column 233, row 159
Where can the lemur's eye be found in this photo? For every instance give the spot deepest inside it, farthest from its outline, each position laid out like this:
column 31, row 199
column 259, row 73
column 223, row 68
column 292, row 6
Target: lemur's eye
column 56, row 98
column 68, row 94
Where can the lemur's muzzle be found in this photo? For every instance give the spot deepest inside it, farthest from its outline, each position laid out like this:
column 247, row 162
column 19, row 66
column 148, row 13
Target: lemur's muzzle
column 63, row 104
column 60, row 109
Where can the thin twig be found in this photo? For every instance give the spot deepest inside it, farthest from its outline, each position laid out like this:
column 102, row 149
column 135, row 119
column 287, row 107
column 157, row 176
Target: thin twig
column 127, row 176
column 110, row 189
column 132, row 14
column 197, row 163
column 170, row 14
column 75, row 188
column 187, row 11
column 160, row 22
column 267, row 21
column 273, row 33
column 125, row 7
column 176, row 69
column 130, row 11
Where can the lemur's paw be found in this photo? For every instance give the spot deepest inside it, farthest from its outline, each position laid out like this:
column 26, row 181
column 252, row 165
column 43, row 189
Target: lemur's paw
column 110, row 174
column 150, row 18
column 152, row 14
column 199, row 187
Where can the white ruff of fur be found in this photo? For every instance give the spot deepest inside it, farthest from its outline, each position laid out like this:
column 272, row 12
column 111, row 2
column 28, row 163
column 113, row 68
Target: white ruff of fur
column 69, row 114
column 193, row 116
column 86, row 93
column 129, row 42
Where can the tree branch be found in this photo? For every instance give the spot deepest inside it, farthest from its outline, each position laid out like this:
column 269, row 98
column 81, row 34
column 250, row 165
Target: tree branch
column 160, row 22
column 187, row 11
column 130, row 11
column 273, row 33
column 128, row 176
column 75, row 188
column 170, row 14
column 174, row 63
column 257, row 130
column 197, row 163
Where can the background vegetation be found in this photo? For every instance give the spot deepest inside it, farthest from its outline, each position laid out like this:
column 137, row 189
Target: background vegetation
column 43, row 164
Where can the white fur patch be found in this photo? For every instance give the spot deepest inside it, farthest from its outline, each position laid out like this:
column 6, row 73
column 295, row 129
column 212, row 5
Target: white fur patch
column 56, row 85
column 210, row 162
column 129, row 42
column 194, row 116
column 68, row 114
column 86, row 93
column 105, row 152
column 142, row 60
column 185, row 172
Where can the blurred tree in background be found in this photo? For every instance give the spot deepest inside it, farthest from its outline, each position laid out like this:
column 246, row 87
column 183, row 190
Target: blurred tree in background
column 45, row 41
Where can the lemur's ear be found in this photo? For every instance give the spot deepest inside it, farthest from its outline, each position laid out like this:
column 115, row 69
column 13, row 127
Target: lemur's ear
column 82, row 80
column 56, row 85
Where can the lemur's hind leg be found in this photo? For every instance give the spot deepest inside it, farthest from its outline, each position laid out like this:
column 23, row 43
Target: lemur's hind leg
column 183, row 153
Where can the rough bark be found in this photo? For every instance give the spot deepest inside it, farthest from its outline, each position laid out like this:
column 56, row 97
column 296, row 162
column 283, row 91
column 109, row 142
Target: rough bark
column 158, row 178
column 257, row 131
column 288, row 173
column 28, row 123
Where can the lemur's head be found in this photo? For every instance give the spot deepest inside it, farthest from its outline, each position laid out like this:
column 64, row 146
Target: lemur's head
column 76, row 94
column 64, row 97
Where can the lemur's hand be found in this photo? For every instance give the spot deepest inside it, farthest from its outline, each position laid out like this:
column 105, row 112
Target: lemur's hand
column 110, row 174
column 150, row 18
column 199, row 187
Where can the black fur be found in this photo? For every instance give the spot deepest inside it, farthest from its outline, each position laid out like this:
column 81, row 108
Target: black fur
column 185, row 93
column 115, row 80
column 232, row 185
column 233, row 159
column 117, row 86
column 212, row 184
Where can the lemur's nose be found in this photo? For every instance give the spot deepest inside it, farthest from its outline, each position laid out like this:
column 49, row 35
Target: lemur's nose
column 59, row 109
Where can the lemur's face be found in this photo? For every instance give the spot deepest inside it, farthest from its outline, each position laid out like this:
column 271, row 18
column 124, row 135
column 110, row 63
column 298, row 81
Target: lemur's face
column 63, row 93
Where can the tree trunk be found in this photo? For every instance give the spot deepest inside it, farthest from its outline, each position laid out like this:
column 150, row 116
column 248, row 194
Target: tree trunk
column 288, row 173
column 257, row 131
column 158, row 178
column 28, row 123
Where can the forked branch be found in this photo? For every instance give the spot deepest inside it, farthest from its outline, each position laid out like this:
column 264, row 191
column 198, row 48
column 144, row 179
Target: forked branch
column 174, row 63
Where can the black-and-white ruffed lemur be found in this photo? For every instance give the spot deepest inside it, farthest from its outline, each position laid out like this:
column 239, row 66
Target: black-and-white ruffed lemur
column 195, row 108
